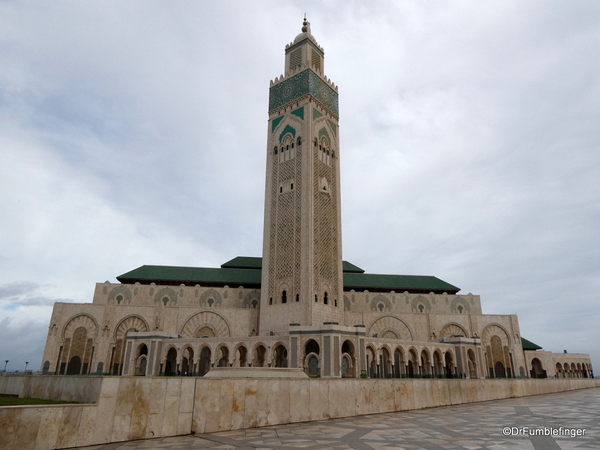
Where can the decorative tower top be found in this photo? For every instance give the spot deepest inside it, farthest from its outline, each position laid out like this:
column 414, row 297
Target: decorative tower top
column 304, row 73
column 305, row 26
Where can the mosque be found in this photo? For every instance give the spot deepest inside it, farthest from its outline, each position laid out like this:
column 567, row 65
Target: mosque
column 300, row 305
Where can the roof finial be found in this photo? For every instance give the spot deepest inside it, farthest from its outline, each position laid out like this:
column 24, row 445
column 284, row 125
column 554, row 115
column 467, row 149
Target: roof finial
column 305, row 25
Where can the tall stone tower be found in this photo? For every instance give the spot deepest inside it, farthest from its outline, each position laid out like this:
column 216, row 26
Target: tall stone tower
column 302, row 247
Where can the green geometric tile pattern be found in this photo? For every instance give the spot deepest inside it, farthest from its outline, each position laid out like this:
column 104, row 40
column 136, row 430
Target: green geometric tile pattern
column 299, row 112
column 323, row 132
column 333, row 126
column 306, row 82
column 316, row 114
column 275, row 122
column 285, row 131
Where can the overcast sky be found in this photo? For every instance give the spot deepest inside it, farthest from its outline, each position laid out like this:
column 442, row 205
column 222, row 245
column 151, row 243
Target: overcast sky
column 135, row 132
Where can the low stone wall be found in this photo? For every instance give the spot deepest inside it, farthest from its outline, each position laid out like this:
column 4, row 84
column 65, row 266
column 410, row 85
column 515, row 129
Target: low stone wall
column 11, row 384
column 77, row 389
column 129, row 408
column 126, row 408
column 222, row 405
column 47, row 427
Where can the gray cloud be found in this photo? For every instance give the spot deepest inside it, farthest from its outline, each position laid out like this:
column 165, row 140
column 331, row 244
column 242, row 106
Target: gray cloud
column 135, row 135
column 17, row 289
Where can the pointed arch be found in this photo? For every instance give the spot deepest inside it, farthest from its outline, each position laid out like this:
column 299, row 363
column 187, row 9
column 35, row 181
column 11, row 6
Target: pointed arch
column 116, row 357
column 209, row 319
column 287, row 130
column 323, row 134
column 495, row 329
column 453, row 329
column 392, row 325
column 81, row 320
column 128, row 323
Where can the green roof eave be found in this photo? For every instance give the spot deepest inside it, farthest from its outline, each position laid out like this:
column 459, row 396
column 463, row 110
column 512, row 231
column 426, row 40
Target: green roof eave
column 351, row 268
column 243, row 262
column 246, row 271
column 253, row 262
column 398, row 283
column 528, row 345
column 192, row 275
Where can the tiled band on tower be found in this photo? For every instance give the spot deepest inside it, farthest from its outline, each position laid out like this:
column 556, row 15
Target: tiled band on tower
column 300, row 305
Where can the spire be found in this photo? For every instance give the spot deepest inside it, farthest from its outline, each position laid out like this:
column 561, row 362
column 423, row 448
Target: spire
column 305, row 25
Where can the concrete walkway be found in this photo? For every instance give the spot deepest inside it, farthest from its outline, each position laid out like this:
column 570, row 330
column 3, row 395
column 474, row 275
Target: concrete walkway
column 494, row 425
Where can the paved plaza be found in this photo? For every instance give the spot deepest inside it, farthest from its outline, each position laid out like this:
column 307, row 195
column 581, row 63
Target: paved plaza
column 500, row 424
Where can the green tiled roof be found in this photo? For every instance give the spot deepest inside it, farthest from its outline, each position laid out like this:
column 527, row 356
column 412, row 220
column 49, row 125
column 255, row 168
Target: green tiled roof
column 246, row 271
column 398, row 283
column 253, row 262
column 243, row 262
column 528, row 345
column 351, row 268
column 192, row 275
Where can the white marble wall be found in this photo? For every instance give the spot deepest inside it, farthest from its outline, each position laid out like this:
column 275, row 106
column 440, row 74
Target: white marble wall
column 222, row 405
column 79, row 389
column 126, row 408
column 130, row 408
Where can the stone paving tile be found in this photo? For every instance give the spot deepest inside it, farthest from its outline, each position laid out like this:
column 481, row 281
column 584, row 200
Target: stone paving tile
column 476, row 426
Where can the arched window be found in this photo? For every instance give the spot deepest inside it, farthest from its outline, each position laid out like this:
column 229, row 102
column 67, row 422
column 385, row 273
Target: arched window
column 316, row 298
column 325, row 298
column 284, row 297
column 271, row 301
column 297, row 297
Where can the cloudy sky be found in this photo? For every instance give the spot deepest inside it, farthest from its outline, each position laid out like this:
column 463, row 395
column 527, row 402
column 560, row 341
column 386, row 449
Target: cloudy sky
column 134, row 133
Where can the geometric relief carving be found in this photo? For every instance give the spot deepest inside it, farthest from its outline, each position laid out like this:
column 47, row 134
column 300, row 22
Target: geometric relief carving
column 165, row 297
column 211, row 298
column 460, row 306
column 494, row 330
column 453, row 330
column 203, row 322
column 119, row 295
column 326, row 245
column 347, row 304
column 390, row 327
column 82, row 320
column 131, row 323
column 420, row 305
column 252, row 299
column 205, row 330
column 381, row 303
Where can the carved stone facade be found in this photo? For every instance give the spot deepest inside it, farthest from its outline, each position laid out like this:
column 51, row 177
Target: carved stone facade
column 300, row 305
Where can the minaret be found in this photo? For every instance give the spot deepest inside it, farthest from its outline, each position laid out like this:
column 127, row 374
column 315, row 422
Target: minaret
column 302, row 247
